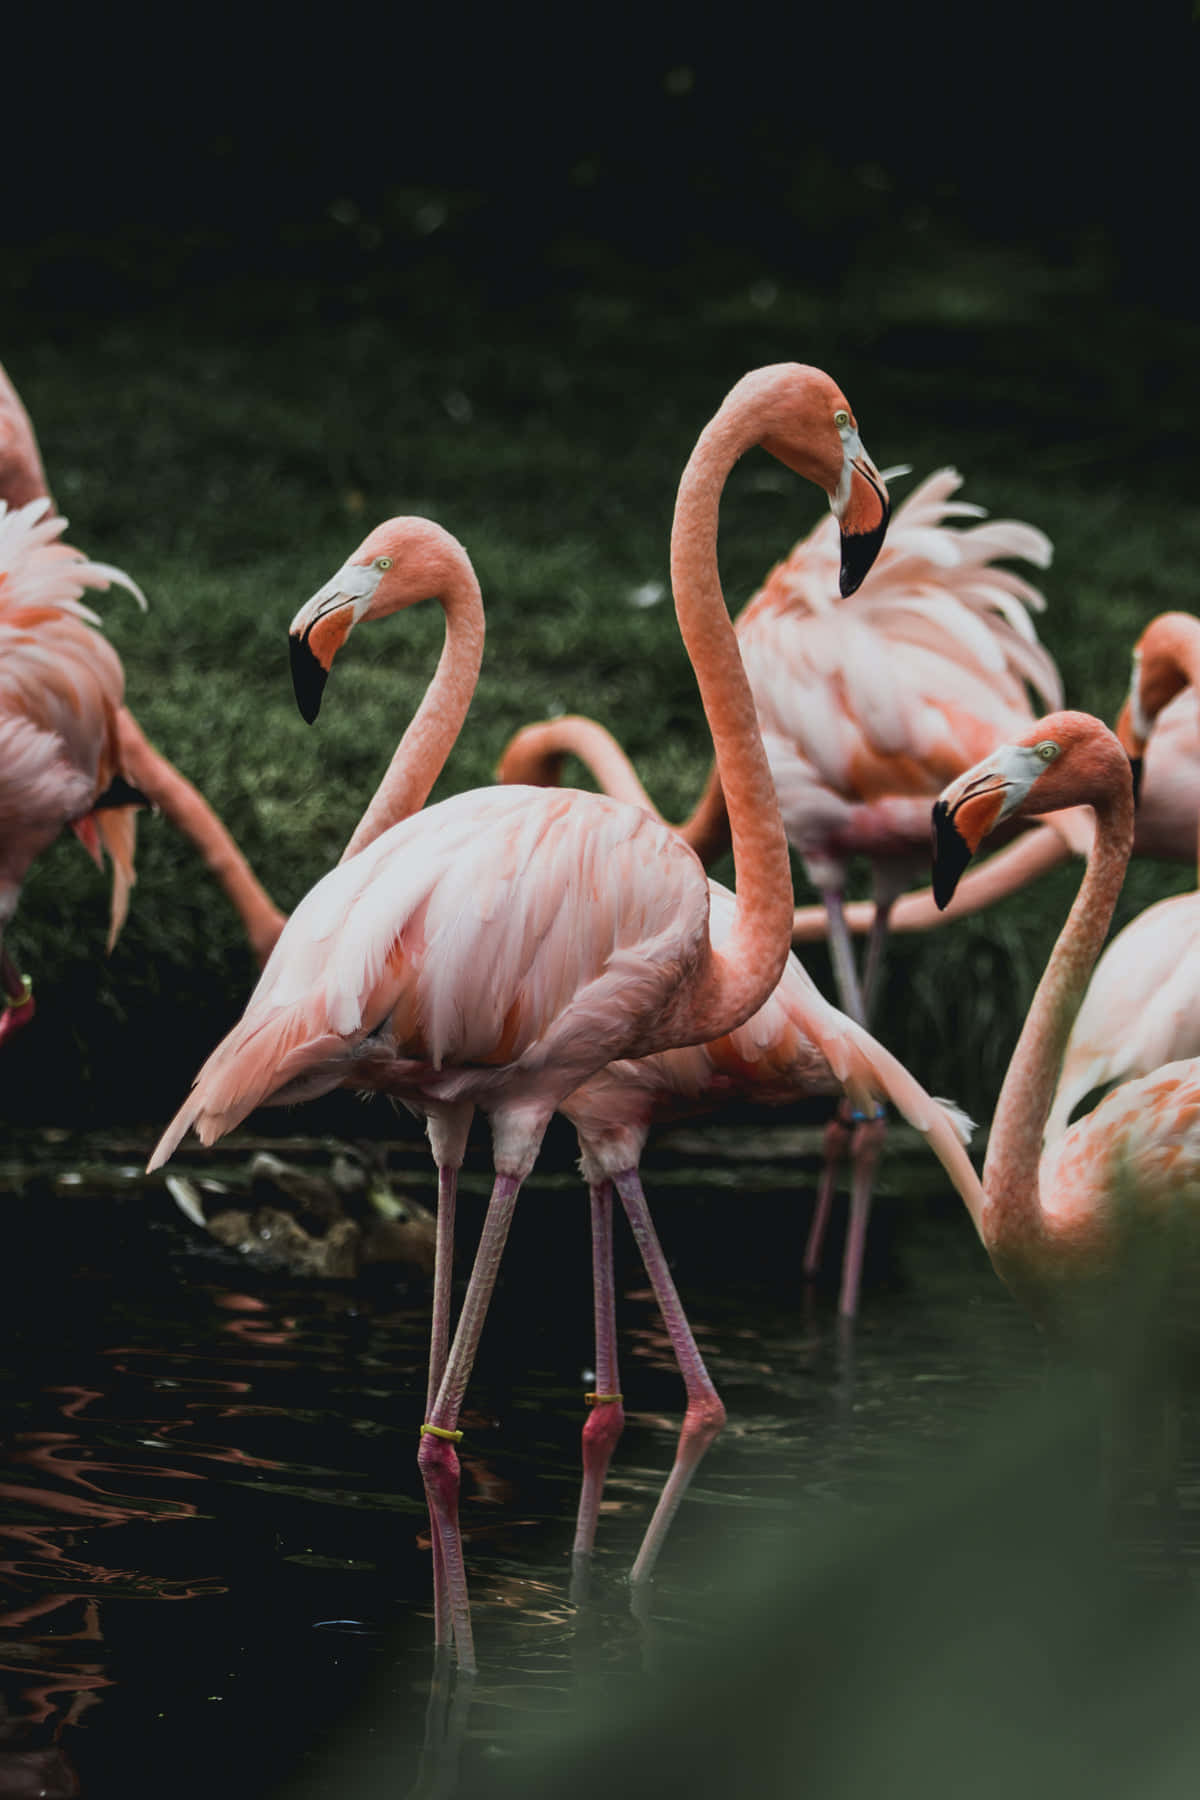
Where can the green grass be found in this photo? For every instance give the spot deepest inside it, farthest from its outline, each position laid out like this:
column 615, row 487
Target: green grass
column 230, row 451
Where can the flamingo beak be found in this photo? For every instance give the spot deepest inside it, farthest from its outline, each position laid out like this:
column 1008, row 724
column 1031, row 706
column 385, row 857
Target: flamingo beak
column 1134, row 746
column 863, row 522
column 312, row 646
column 959, row 827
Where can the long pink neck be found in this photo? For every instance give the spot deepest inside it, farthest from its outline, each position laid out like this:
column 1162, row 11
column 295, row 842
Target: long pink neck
column 738, row 978
column 190, row 813
column 434, row 727
column 1012, row 1214
column 535, row 755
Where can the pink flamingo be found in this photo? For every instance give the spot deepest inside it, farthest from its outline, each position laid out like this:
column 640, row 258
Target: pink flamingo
column 70, row 753
column 60, row 695
column 73, row 750
column 1142, row 1007
column 499, row 948
column 1107, row 1215
column 866, row 707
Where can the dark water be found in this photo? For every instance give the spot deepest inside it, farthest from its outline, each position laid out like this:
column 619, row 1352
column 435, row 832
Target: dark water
column 214, row 1573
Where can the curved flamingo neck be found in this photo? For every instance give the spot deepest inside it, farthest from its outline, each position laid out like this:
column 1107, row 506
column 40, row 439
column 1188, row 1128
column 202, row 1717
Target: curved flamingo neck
column 433, row 730
column 535, row 755
column 1013, row 1215
column 174, row 795
column 737, row 978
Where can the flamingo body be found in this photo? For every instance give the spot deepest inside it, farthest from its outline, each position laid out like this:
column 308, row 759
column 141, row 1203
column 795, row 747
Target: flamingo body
column 61, row 690
column 1142, row 1007
column 491, row 949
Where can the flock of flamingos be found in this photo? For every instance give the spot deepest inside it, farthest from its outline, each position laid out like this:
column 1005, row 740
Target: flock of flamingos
column 528, row 948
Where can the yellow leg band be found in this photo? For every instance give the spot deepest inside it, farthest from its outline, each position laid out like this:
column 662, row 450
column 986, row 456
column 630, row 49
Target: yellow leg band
column 602, row 1399
column 12, row 1001
column 451, row 1437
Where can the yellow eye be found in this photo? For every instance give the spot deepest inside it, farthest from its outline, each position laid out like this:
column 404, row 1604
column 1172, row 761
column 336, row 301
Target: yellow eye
column 841, row 417
column 1046, row 752
column 383, row 562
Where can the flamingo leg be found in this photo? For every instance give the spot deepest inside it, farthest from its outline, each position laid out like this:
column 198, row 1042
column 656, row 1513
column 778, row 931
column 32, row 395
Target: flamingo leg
column 439, row 1338
column 606, row 1419
column 837, row 1142
column 437, row 1458
column 865, row 1147
column 841, row 952
column 705, row 1414
column 873, row 965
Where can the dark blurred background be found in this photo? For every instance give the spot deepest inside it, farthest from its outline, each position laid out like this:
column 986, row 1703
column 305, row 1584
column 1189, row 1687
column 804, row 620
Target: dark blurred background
column 332, row 145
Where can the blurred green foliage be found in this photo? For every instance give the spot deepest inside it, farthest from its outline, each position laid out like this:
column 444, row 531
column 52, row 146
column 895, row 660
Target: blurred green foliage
column 229, row 446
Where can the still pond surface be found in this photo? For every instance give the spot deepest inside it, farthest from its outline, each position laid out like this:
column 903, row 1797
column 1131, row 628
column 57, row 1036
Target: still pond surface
column 214, row 1567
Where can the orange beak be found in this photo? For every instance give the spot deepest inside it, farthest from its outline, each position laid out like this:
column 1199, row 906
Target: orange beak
column 959, row 827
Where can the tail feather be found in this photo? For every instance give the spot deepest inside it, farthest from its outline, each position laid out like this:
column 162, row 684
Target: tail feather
column 259, row 1062
column 117, row 827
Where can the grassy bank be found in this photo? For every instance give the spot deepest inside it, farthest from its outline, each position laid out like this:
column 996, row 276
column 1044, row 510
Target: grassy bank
column 231, row 448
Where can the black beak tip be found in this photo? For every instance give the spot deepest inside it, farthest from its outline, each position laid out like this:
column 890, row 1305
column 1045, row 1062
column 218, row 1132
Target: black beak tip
column 859, row 550
column 951, row 854
column 1136, row 764
column 308, row 679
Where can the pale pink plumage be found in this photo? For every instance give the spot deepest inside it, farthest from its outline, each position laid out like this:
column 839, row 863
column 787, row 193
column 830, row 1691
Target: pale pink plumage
column 61, row 688
column 558, row 930
column 1142, row 1006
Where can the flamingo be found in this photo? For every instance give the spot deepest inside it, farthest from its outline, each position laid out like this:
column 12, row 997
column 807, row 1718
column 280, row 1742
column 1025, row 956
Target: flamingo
column 1142, row 1006
column 60, row 696
column 499, row 948
column 73, row 751
column 1108, row 1215
column 865, row 707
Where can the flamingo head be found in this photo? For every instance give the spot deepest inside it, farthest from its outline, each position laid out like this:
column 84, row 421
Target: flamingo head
column 812, row 431
column 1164, row 661
column 402, row 561
column 1066, row 759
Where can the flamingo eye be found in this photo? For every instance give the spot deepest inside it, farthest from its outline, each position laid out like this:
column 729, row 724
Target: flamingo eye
column 841, row 418
column 383, row 562
column 1046, row 752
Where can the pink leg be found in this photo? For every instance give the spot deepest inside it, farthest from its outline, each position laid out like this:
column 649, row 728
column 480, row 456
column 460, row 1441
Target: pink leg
column 705, row 1414
column 606, row 1420
column 437, row 1457
column 439, row 1337
column 841, row 953
column 864, row 1151
column 873, row 969
column 837, row 1142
